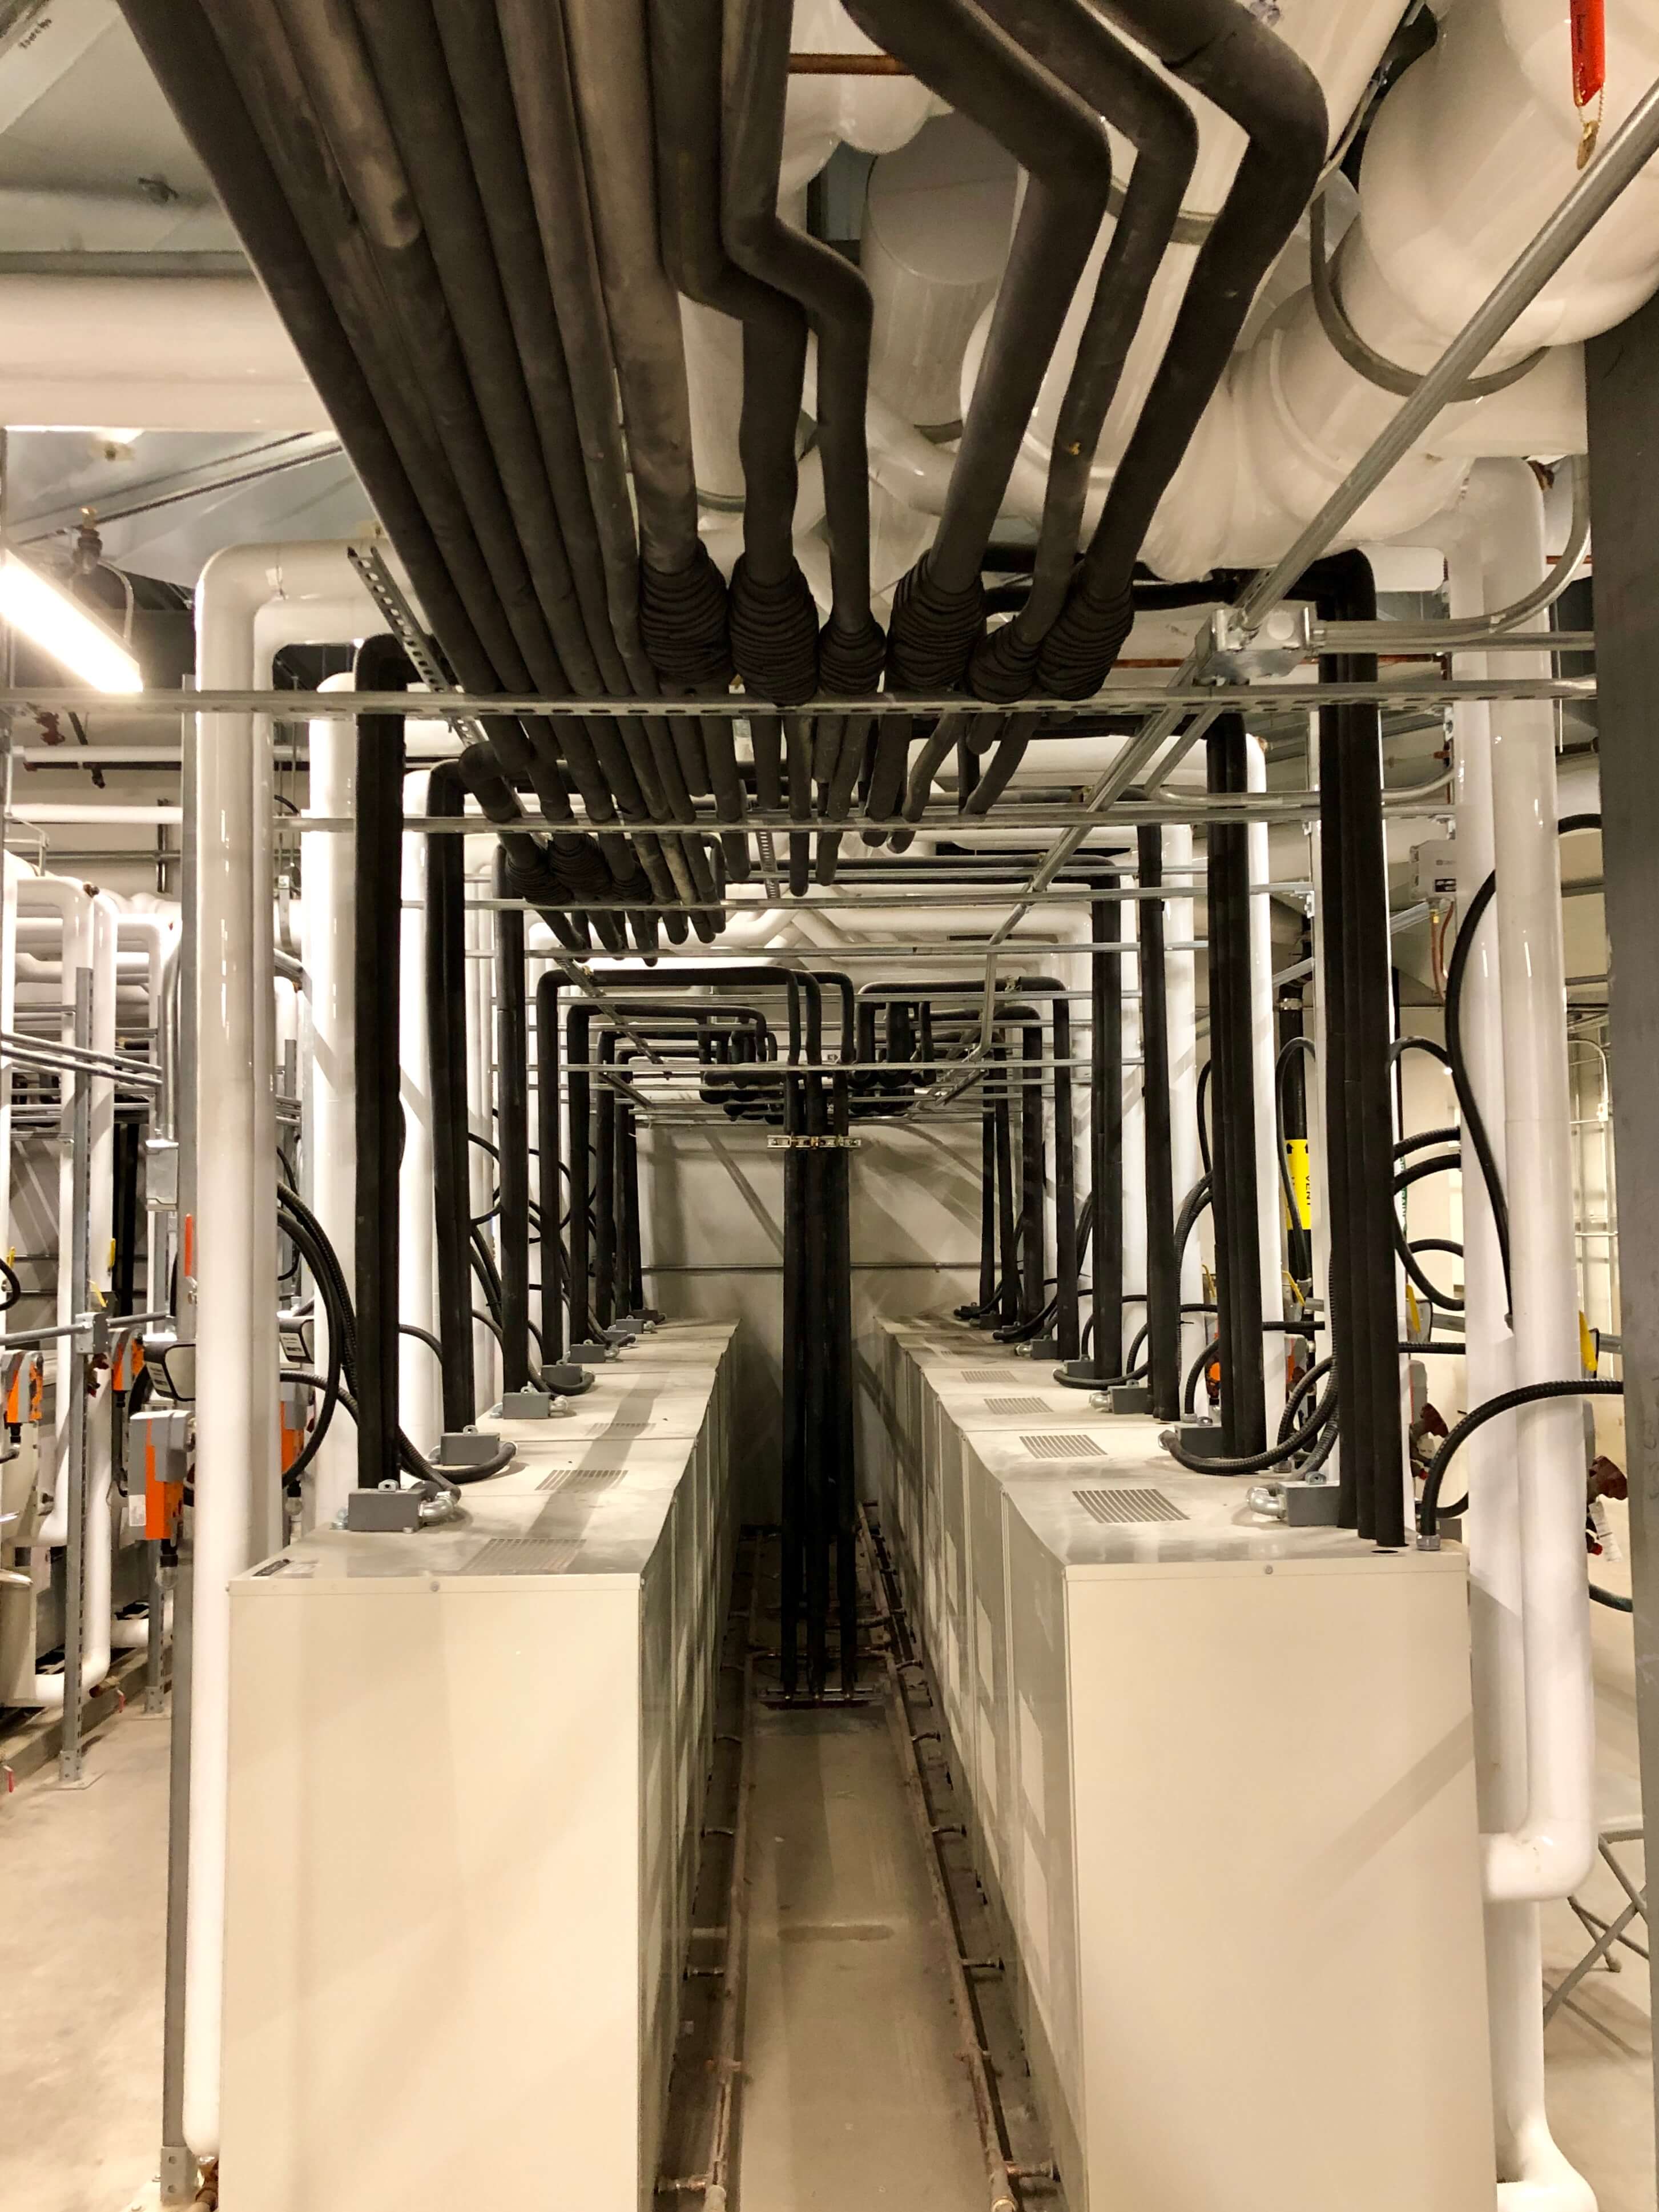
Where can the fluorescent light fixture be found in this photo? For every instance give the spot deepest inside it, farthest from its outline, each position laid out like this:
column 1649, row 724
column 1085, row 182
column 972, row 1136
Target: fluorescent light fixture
column 62, row 626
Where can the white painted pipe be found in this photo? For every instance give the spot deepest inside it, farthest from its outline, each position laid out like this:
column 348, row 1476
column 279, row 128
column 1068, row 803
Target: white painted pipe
column 1553, row 1847
column 251, row 599
column 419, row 1374
column 1532, row 2174
column 52, row 813
column 327, row 920
column 87, row 924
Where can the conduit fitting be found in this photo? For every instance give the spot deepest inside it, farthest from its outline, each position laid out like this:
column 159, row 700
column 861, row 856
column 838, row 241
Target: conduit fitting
column 684, row 624
column 775, row 635
column 850, row 661
column 1079, row 652
column 933, row 632
column 1004, row 666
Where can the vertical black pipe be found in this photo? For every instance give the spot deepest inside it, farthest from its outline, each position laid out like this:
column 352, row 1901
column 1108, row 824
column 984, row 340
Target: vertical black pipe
column 628, row 1193
column 551, row 1151
column 839, row 1167
column 794, row 1324
column 1232, row 1096
column 1341, row 1316
column 380, row 666
column 1106, row 1131
column 815, row 1459
column 604, row 1189
column 1162, row 1266
column 512, row 1134
column 1359, row 1113
column 1033, row 1213
column 577, row 1043
column 1067, row 1327
column 1007, row 1212
column 988, row 1207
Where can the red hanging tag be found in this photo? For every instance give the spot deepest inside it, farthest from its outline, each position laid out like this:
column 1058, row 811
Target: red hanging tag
column 1590, row 68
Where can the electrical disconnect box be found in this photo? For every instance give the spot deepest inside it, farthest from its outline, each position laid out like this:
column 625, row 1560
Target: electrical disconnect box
column 1435, row 865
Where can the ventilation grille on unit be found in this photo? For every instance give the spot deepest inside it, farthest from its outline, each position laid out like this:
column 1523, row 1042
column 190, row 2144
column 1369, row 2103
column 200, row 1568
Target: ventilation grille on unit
column 627, row 1424
column 521, row 1555
column 1015, row 1406
column 985, row 1374
column 1121, row 1505
column 581, row 1478
column 1062, row 1447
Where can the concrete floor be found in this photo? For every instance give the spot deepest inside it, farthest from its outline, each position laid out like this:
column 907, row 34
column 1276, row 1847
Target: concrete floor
column 854, row 2095
column 849, row 2010
column 83, row 1912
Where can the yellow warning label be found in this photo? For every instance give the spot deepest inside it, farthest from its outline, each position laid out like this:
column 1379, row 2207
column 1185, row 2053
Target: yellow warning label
column 1296, row 1159
column 1587, row 1347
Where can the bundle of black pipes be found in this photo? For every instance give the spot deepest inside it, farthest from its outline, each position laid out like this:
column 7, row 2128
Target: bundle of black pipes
column 1359, row 1163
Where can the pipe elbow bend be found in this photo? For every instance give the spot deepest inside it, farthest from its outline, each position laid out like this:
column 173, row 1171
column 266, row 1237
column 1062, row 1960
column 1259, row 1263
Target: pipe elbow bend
column 1533, row 1865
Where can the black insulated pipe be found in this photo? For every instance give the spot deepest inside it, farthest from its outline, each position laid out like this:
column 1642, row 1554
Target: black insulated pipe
column 1163, row 1261
column 1238, row 1244
column 579, row 1119
column 513, row 1135
column 380, row 666
column 1358, row 1087
column 549, row 1156
column 1033, row 1215
column 1067, row 1329
column 1224, row 53
column 1106, row 1131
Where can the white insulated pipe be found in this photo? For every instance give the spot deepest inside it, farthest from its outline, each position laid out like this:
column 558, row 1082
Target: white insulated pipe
column 1470, row 153
column 328, row 922
column 1551, row 1848
column 419, row 1373
column 1534, row 2176
column 202, row 353
column 87, row 925
column 251, row 600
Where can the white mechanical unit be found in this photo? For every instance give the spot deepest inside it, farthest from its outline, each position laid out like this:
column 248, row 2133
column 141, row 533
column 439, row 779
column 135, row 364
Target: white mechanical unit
column 467, row 1770
column 1222, row 1788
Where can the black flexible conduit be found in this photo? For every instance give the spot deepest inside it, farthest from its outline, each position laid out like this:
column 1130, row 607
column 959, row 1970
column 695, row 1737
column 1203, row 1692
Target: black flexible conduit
column 1237, row 1242
column 1066, row 1337
column 1506, row 1401
column 1222, row 52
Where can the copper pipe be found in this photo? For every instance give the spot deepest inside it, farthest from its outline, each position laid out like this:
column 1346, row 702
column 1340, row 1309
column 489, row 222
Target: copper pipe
column 846, row 66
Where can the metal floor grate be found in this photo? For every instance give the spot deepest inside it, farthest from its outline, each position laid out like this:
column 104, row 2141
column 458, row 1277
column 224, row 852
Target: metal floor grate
column 1063, row 1446
column 627, row 1424
column 521, row 1555
column 984, row 1373
column 1015, row 1406
column 585, row 1478
column 1128, row 1505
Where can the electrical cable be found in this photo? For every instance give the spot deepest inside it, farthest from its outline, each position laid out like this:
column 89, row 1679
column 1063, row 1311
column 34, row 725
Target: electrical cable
column 1506, row 1401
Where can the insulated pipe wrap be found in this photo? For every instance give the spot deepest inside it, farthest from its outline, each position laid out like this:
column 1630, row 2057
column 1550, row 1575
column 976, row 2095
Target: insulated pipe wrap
column 933, row 632
column 850, row 661
column 775, row 635
column 684, row 624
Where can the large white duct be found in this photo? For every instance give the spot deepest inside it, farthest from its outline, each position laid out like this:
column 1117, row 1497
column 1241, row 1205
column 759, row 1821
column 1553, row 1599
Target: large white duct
column 1469, row 157
column 193, row 353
